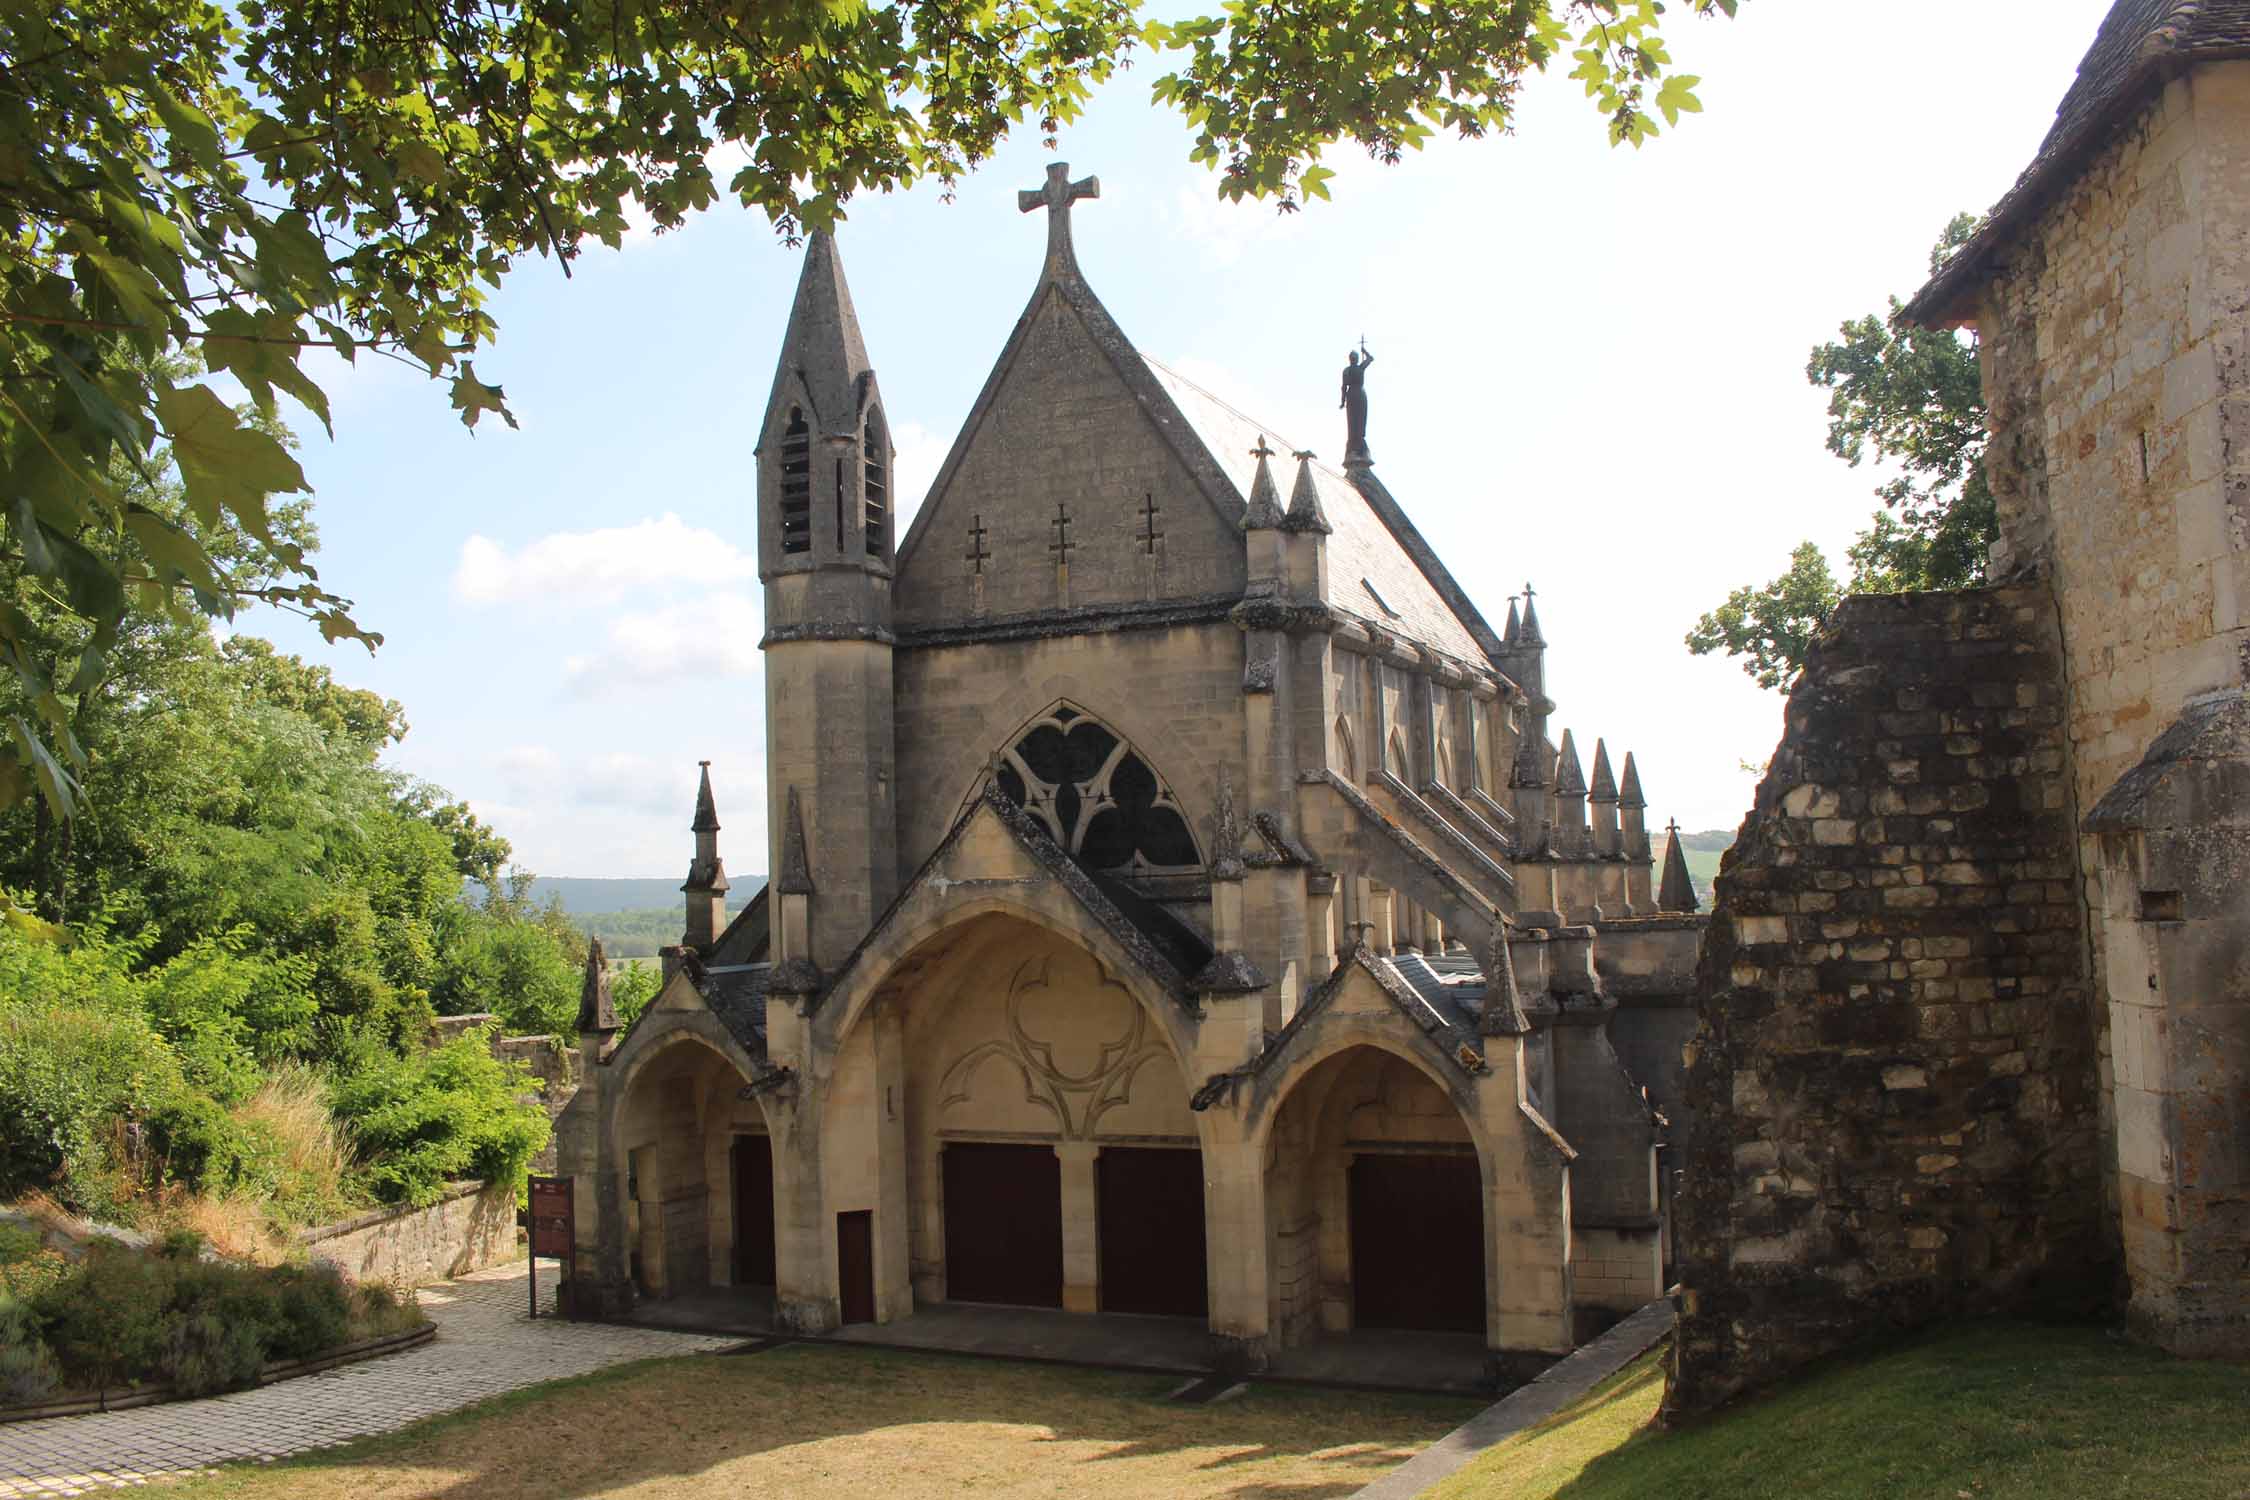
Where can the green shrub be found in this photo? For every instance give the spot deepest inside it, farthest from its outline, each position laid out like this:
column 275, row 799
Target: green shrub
column 204, row 1353
column 106, row 1319
column 181, row 1244
column 27, row 1365
column 18, row 1243
column 208, row 1148
column 315, row 1308
column 431, row 1118
column 73, row 1076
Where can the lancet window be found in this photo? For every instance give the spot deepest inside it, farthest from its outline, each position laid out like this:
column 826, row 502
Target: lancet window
column 796, row 484
column 1097, row 797
column 877, row 474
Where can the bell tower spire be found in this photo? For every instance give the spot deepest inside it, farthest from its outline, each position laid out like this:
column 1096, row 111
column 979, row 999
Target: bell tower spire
column 825, row 558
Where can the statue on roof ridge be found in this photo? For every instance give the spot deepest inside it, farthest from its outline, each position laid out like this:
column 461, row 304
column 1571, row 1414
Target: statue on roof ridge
column 1354, row 403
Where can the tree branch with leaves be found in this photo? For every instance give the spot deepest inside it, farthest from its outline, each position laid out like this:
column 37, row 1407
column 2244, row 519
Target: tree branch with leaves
column 1911, row 397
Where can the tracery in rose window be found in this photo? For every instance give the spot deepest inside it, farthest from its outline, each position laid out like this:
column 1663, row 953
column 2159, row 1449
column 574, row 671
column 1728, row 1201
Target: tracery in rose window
column 1098, row 798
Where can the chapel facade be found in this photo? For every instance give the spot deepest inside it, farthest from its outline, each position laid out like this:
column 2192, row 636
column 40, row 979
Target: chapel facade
column 1178, row 903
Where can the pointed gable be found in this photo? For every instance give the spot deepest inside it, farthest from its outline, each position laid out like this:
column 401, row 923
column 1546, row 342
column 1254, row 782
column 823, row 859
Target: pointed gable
column 1070, row 445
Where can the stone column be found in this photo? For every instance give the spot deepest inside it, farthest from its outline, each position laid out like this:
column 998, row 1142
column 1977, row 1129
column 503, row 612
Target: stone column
column 894, row 1287
column 805, row 1300
column 1384, row 938
column 1080, row 1237
column 1320, row 929
column 1234, row 1210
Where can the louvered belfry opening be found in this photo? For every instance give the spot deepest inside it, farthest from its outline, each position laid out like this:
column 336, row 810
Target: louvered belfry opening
column 875, row 458
column 796, row 484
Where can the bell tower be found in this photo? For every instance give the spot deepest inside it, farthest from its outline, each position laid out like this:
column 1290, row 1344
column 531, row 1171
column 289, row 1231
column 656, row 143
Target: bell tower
column 825, row 540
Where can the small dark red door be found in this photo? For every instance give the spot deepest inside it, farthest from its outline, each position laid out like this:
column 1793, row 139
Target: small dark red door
column 1417, row 1242
column 753, row 1211
column 1003, row 1224
column 1151, row 1228
column 855, row 1264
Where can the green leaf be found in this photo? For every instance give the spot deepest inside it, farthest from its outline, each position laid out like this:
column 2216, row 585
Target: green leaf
column 419, row 159
column 224, row 465
column 1677, row 97
column 472, row 398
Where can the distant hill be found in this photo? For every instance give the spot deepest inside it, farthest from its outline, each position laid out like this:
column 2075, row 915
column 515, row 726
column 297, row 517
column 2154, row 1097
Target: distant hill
column 1716, row 840
column 588, row 896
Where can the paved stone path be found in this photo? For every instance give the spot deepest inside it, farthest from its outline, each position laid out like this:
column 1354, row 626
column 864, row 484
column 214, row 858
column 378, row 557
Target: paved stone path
column 485, row 1345
column 1527, row 1406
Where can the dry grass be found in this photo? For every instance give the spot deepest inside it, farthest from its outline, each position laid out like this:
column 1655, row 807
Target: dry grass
column 812, row 1423
column 291, row 1107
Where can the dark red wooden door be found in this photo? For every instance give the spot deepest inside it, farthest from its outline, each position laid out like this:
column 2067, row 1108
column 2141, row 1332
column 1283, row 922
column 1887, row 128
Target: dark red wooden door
column 753, row 1211
column 1417, row 1242
column 1151, row 1228
column 855, row 1264
column 1003, row 1224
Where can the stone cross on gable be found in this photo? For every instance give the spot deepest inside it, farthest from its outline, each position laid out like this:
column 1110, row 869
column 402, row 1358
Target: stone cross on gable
column 1058, row 194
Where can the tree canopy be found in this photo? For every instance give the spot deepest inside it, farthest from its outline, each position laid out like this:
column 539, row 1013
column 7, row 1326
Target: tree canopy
column 1910, row 397
column 190, row 188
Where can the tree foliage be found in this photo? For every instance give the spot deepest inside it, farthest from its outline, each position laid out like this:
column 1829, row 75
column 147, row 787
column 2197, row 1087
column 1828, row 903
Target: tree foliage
column 219, row 186
column 1908, row 397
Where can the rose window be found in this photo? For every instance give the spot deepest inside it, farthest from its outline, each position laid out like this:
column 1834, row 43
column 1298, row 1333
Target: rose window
column 1098, row 798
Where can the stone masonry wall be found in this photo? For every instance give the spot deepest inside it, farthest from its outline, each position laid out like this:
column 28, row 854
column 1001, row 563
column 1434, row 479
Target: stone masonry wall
column 1893, row 1086
column 471, row 1227
column 2117, row 373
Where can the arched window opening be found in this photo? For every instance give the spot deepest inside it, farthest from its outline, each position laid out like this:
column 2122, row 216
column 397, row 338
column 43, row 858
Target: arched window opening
column 1344, row 751
column 876, row 469
column 1099, row 799
column 796, row 484
column 1396, row 762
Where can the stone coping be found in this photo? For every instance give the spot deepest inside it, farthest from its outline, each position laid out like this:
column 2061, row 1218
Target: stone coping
column 373, row 1217
column 1563, row 1382
column 271, row 1374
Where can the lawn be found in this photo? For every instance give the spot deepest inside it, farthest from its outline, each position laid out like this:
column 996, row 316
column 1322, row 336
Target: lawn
column 1999, row 1412
column 809, row 1422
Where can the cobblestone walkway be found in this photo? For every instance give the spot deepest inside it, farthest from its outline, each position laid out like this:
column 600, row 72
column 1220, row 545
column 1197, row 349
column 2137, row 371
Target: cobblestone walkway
column 485, row 1345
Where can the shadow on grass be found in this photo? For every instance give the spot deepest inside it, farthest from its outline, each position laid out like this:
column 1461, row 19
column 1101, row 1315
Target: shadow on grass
column 866, row 1422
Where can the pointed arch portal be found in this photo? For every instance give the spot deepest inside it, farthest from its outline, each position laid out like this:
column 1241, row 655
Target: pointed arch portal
column 1375, row 1203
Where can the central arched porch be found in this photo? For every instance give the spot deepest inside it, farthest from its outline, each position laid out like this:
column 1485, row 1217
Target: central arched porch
column 1010, row 1115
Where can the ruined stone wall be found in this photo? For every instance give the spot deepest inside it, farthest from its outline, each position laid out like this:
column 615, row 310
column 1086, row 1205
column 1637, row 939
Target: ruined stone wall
column 1894, row 1086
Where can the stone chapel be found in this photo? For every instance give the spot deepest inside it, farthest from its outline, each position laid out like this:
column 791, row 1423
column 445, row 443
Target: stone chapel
column 1178, row 904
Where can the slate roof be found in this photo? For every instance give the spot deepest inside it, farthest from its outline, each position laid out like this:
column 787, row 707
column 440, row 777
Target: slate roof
column 1453, row 986
column 736, row 994
column 1370, row 575
column 2141, row 45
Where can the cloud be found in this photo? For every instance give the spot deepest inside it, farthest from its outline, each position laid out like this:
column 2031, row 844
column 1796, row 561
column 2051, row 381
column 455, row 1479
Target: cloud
column 597, row 567
column 710, row 639
column 917, row 455
column 1221, row 232
column 618, row 812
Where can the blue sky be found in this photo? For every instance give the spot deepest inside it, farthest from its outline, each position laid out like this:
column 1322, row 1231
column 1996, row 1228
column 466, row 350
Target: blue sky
column 1590, row 376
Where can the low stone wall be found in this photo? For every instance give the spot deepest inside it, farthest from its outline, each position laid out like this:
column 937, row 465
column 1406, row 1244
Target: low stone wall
column 552, row 1060
column 471, row 1227
column 1893, row 1088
